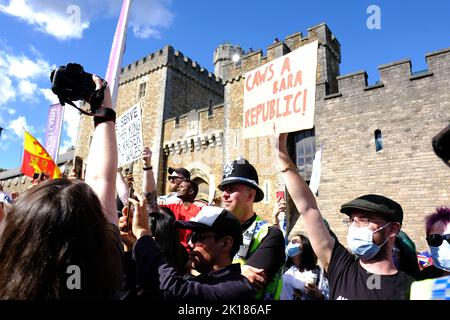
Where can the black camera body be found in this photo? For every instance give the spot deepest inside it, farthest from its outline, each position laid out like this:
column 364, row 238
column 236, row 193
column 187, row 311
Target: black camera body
column 441, row 145
column 72, row 83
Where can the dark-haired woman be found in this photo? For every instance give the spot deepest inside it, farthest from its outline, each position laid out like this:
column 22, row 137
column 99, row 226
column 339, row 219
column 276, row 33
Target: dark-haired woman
column 60, row 240
column 303, row 279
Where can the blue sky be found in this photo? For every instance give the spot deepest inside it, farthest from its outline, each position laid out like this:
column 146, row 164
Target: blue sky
column 36, row 35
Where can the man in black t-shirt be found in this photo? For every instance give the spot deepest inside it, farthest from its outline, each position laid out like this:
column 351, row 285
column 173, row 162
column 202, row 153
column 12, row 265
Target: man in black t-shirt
column 374, row 222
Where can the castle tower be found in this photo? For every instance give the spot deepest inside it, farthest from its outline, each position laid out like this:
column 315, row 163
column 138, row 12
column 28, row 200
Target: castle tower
column 225, row 54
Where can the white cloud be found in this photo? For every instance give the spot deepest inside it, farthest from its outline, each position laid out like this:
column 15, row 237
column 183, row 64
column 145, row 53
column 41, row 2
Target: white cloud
column 22, row 67
column 61, row 20
column 64, row 20
column 18, row 74
column 71, row 122
column 18, row 124
column 49, row 95
column 27, row 89
column 11, row 111
column 7, row 92
column 144, row 32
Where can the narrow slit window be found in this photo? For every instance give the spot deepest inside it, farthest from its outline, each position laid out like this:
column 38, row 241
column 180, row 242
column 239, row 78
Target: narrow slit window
column 142, row 88
column 378, row 140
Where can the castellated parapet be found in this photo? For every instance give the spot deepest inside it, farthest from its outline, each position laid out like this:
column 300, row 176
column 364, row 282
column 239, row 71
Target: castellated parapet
column 394, row 74
column 329, row 56
column 171, row 58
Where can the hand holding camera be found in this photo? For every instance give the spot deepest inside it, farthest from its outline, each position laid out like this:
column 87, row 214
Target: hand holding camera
column 71, row 83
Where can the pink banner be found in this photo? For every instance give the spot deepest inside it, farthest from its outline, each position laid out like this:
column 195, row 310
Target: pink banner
column 53, row 131
column 117, row 50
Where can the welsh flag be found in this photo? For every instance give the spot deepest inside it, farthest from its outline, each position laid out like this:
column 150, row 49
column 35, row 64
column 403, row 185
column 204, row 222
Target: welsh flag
column 36, row 159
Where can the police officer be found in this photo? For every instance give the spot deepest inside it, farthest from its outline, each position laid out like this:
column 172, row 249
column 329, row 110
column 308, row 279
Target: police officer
column 263, row 243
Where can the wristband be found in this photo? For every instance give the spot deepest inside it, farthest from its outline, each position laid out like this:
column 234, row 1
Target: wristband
column 104, row 115
column 290, row 166
column 147, row 168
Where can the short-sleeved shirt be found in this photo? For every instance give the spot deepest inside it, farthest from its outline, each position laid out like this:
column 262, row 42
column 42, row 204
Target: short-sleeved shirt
column 183, row 213
column 348, row 280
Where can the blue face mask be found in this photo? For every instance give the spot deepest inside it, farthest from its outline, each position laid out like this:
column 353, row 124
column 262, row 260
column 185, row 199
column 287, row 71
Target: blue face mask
column 441, row 256
column 360, row 241
column 293, row 249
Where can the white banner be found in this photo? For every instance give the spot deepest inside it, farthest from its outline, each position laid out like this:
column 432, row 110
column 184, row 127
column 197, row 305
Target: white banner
column 129, row 135
column 281, row 91
column 314, row 182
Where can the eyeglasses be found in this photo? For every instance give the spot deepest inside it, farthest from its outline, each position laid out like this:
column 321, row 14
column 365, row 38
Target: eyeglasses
column 172, row 178
column 359, row 222
column 195, row 237
column 435, row 240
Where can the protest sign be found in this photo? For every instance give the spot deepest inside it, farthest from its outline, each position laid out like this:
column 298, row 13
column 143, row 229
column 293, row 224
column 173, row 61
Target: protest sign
column 129, row 135
column 281, row 91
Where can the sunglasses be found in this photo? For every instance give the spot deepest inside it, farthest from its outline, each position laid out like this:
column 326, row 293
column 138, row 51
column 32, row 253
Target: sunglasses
column 195, row 237
column 435, row 240
column 172, row 178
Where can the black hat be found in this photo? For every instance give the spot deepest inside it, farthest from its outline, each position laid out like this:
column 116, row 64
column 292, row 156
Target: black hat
column 241, row 171
column 184, row 172
column 386, row 207
column 215, row 219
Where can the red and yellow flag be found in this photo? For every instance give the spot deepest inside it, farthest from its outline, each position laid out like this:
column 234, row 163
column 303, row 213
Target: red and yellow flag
column 36, row 159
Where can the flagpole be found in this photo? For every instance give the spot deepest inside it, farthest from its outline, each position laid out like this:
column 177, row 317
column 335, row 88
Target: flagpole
column 117, row 50
column 21, row 159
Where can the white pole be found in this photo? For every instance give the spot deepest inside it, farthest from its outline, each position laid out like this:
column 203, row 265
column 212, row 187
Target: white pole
column 117, row 50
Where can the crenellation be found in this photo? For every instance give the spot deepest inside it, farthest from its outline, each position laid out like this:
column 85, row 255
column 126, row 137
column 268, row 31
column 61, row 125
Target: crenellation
column 438, row 61
column 352, row 83
column 394, row 72
column 277, row 50
column 152, row 63
column 293, row 41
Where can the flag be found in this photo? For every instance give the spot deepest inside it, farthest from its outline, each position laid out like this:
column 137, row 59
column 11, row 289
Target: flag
column 117, row 50
column 36, row 159
column 53, row 132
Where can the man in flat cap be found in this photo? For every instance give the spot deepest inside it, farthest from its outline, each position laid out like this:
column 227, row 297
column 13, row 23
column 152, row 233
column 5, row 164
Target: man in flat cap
column 374, row 222
column 262, row 252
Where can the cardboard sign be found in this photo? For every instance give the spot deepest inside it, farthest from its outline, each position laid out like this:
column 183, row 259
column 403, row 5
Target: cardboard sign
column 129, row 135
column 281, row 91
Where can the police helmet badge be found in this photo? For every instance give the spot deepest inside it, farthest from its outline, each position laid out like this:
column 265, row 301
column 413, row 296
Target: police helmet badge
column 228, row 169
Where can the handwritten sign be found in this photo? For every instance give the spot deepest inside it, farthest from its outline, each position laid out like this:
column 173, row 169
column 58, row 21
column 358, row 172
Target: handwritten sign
column 129, row 135
column 282, row 92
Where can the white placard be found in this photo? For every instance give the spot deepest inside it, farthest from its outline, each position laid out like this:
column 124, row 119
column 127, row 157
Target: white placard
column 281, row 91
column 129, row 135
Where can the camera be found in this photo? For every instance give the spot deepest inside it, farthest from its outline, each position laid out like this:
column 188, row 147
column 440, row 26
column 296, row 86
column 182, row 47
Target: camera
column 441, row 145
column 72, row 83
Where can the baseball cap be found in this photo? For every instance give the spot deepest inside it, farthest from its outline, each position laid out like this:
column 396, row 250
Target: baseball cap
column 184, row 172
column 375, row 203
column 215, row 219
column 241, row 171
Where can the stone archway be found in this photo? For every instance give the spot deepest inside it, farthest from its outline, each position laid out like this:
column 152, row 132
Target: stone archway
column 202, row 175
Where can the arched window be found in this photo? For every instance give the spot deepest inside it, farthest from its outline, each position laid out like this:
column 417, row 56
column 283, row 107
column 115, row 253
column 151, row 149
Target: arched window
column 378, row 140
column 305, row 150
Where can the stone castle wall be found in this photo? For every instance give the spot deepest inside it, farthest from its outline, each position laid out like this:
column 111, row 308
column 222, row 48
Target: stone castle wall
column 194, row 119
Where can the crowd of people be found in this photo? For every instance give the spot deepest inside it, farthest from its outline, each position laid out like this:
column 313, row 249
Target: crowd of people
column 133, row 244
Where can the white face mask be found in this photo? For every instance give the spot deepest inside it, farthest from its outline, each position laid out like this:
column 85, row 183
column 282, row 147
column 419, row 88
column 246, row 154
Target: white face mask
column 360, row 241
column 441, row 256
